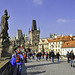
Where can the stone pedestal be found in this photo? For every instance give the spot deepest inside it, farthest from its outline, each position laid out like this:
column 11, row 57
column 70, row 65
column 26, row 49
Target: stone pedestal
column 4, row 47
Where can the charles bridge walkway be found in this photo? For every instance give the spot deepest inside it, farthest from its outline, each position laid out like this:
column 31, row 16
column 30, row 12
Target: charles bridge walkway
column 47, row 68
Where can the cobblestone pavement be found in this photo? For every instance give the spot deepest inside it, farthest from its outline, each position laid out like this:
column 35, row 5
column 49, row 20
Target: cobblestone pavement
column 47, row 68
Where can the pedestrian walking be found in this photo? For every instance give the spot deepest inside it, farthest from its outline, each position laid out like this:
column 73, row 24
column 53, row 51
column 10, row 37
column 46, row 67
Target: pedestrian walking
column 52, row 56
column 72, row 58
column 42, row 54
column 33, row 55
column 25, row 57
column 49, row 55
column 57, row 55
column 68, row 56
column 37, row 55
column 46, row 56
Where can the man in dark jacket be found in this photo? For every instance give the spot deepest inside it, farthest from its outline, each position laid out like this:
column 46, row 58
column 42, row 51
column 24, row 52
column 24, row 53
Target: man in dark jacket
column 52, row 56
column 72, row 58
column 57, row 55
column 68, row 56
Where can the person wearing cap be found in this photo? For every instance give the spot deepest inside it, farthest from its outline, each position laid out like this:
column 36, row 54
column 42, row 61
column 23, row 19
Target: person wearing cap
column 13, row 64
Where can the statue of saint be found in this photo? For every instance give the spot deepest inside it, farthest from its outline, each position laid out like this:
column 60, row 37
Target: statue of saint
column 4, row 23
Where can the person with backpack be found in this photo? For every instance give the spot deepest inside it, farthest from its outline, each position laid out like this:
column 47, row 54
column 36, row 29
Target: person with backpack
column 52, row 56
column 19, row 61
column 13, row 64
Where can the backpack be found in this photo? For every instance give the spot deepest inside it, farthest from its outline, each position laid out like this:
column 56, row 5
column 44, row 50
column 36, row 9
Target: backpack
column 17, row 58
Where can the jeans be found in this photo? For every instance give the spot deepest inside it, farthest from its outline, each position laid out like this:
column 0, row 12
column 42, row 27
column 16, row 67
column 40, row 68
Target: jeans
column 37, row 58
column 33, row 57
column 72, row 61
column 46, row 58
column 52, row 59
column 58, row 60
column 19, row 67
column 42, row 57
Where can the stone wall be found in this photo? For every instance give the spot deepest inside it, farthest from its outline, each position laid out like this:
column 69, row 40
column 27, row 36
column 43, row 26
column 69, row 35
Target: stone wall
column 6, row 69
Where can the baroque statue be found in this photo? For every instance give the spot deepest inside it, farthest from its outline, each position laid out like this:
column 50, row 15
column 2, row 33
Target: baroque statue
column 4, row 24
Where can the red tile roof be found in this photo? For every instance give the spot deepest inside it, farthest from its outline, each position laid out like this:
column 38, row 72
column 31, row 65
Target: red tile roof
column 64, row 38
column 69, row 44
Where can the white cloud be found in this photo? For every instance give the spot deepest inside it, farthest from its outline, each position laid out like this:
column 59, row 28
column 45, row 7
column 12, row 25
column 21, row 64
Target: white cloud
column 64, row 20
column 37, row 2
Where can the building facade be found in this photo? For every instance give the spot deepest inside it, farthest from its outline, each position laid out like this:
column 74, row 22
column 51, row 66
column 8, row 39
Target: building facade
column 68, row 46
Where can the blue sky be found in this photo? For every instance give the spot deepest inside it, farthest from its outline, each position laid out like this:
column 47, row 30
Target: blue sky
column 56, row 16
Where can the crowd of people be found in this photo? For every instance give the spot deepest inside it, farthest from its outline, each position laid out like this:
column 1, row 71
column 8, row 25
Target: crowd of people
column 21, row 57
column 43, row 55
column 17, row 61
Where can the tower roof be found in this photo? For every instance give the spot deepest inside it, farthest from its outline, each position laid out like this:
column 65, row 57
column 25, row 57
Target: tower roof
column 34, row 25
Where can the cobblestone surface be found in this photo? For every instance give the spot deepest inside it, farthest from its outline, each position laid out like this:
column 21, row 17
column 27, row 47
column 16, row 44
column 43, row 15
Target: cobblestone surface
column 47, row 68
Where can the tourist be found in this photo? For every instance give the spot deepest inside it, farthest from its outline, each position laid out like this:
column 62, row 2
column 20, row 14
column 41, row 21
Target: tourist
column 13, row 64
column 49, row 55
column 19, row 61
column 72, row 58
column 33, row 55
column 57, row 55
column 46, row 55
column 37, row 55
column 68, row 56
column 52, row 56
column 25, row 57
column 42, row 54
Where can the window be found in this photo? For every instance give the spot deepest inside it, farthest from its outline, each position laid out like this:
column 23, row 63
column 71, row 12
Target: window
column 67, row 43
column 56, row 49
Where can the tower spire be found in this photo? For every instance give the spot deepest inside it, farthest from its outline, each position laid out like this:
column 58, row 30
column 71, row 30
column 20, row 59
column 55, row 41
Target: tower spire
column 34, row 25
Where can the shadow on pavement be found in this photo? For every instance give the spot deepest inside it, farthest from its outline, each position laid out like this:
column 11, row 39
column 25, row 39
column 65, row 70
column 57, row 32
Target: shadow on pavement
column 24, row 68
column 34, row 73
column 44, row 64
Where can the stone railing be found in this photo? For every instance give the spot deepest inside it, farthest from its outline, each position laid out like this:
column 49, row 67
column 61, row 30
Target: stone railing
column 5, row 67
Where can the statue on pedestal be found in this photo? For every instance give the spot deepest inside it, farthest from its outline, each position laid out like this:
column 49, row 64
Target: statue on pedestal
column 4, row 38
